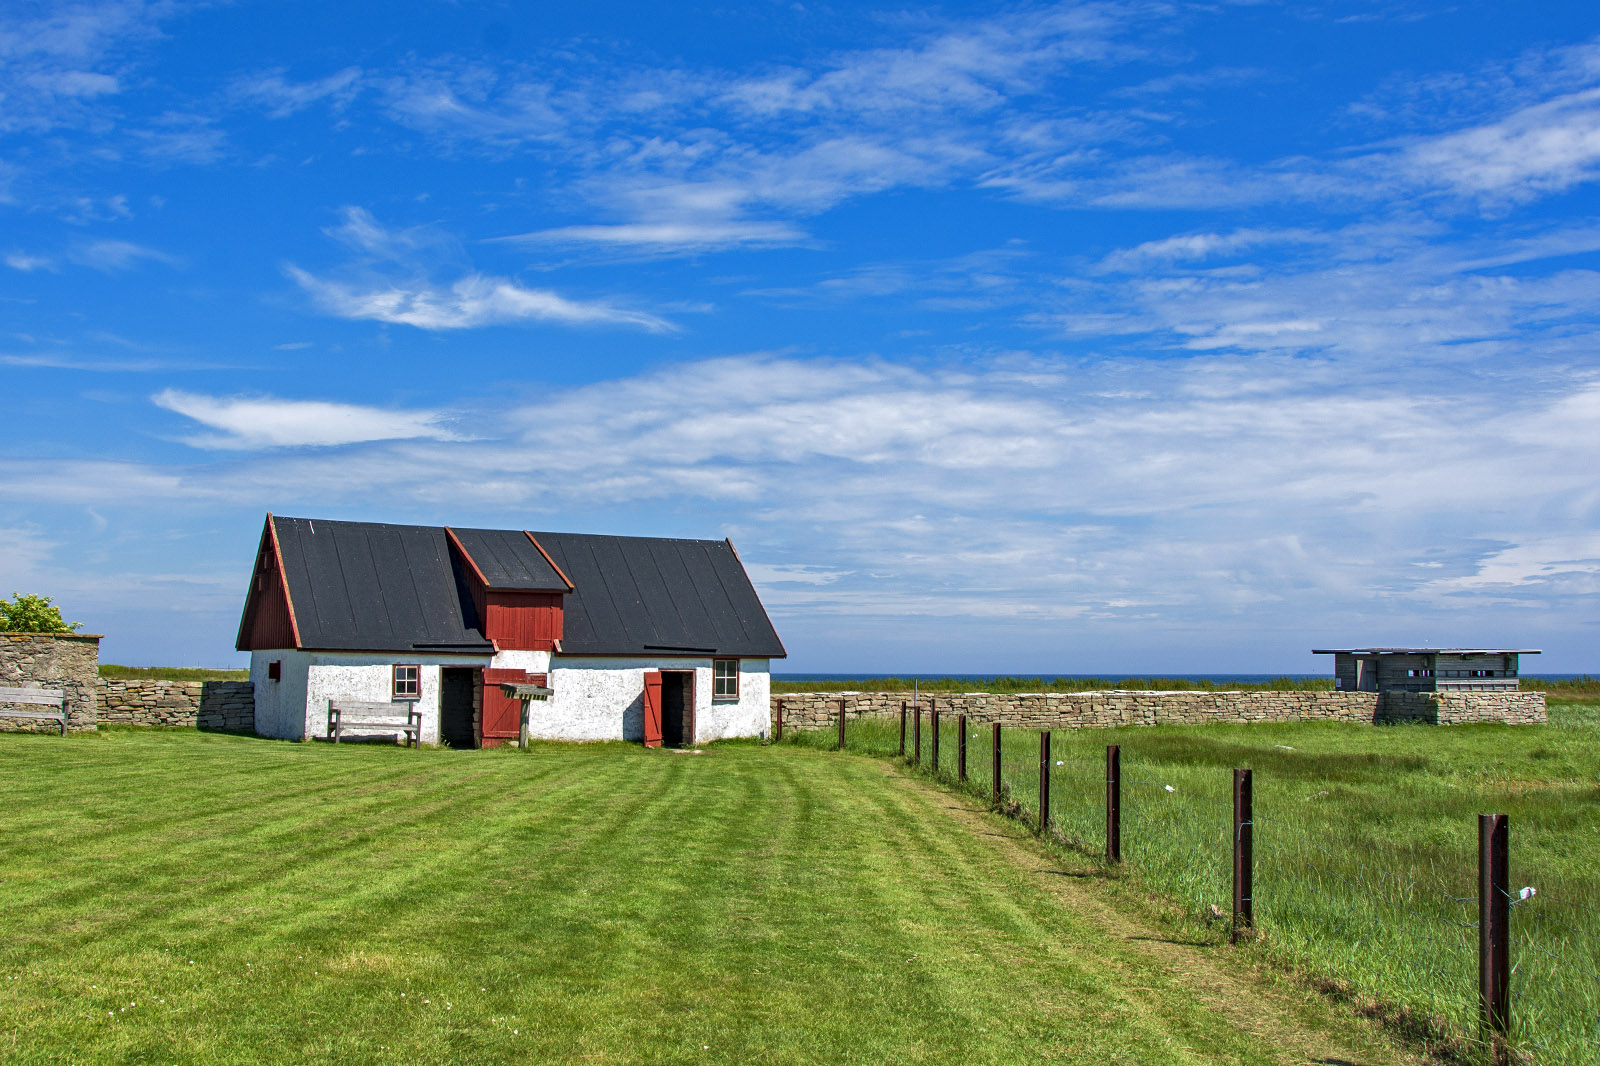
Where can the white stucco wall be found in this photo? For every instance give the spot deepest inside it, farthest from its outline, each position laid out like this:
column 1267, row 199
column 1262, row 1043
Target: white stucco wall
column 533, row 662
column 298, row 704
column 280, row 704
column 595, row 698
column 603, row 699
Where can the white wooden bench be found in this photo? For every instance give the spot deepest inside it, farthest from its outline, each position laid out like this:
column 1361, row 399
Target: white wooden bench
column 346, row 717
column 36, row 697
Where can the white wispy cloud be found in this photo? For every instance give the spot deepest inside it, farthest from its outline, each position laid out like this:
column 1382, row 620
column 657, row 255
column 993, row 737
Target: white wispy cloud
column 389, row 281
column 1548, row 147
column 282, row 97
column 972, row 67
column 29, row 263
column 470, row 302
column 677, row 235
column 69, row 361
column 111, row 255
column 686, row 161
column 262, row 422
column 1200, row 246
column 56, row 62
column 1019, row 486
column 106, row 254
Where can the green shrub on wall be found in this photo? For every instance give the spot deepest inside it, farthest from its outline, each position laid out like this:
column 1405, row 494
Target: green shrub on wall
column 33, row 614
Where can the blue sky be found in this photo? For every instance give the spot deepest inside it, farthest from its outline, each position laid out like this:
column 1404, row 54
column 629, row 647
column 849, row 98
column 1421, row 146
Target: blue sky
column 1084, row 337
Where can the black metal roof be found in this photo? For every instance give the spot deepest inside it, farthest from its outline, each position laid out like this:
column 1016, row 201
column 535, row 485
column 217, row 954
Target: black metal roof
column 654, row 596
column 365, row 586
column 1426, row 651
column 509, row 560
column 376, row 587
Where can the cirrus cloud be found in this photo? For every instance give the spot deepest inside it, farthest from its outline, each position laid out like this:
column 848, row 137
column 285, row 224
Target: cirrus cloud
column 263, row 422
column 472, row 301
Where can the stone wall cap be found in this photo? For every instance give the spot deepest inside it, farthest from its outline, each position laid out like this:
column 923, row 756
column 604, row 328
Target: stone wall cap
column 58, row 636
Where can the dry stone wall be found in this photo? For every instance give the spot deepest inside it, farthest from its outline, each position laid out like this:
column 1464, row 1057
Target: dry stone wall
column 221, row 706
column 1088, row 710
column 67, row 661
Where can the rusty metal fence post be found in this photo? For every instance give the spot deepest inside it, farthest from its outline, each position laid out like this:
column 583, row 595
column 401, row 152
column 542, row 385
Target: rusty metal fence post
column 902, row 729
column 995, row 796
column 1044, row 781
column 1113, row 803
column 1243, row 840
column 841, row 724
column 1494, row 933
column 916, row 732
column 777, row 730
column 933, row 729
column 961, row 747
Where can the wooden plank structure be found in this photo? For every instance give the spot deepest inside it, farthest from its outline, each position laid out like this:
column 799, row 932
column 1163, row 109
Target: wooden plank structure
column 36, row 697
column 357, row 718
column 524, row 693
column 1426, row 669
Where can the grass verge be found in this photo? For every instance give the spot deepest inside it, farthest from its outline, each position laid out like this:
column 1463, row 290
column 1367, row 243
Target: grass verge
column 171, row 673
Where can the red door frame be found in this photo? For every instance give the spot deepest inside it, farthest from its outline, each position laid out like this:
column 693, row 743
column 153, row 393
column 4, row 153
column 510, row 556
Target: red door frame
column 688, row 705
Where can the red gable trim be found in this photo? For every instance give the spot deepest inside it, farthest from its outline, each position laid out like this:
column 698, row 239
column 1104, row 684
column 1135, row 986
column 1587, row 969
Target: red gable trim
column 283, row 578
column 462, row 548
column 559, row 572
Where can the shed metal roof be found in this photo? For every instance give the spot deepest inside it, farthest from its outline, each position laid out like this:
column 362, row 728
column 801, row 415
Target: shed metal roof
column 376, row 587
column 509, row 559
column 366, row 586
column 1426, row 651
column 656, row 596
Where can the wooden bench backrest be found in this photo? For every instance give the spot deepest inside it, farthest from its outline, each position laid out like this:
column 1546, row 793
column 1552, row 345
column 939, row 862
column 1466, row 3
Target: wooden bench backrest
column 365, row 709
column 49, row 697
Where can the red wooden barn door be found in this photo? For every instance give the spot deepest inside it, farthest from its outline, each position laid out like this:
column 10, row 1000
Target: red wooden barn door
column 502, row 715
column 652, row 709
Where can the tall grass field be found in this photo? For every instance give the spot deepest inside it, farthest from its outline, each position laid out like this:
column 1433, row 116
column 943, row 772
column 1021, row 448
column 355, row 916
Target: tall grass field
column 1365, row 850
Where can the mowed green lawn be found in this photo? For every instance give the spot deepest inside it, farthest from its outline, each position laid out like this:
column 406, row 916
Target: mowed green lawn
column 175, row 897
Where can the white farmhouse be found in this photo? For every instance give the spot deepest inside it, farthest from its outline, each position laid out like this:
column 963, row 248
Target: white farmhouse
column 638, row 638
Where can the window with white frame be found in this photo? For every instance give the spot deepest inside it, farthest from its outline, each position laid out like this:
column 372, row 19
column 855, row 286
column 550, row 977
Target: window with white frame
column 725, row 679
column 407, row 683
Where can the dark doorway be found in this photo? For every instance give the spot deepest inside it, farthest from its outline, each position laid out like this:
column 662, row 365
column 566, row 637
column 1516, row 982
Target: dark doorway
column 677, row 708
column 457, row 687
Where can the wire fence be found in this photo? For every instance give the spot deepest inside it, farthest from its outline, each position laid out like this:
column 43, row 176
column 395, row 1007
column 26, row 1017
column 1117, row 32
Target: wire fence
column 1392, row 927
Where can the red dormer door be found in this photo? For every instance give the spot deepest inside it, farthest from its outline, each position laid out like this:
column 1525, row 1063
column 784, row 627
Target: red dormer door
column 652, row 709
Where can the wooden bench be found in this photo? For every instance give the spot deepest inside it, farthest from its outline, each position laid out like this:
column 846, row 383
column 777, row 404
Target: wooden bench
column 347, row 716
column 36, row 697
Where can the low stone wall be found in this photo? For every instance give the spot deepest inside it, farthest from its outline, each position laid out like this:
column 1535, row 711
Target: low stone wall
column 67, row 661
column 1455, row 708
column 222, row 706
column 1088, row 710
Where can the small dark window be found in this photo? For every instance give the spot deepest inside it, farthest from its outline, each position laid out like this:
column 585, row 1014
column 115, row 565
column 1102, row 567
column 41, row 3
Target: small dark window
column 275, row 670
column 724, row 679
column 407, row 682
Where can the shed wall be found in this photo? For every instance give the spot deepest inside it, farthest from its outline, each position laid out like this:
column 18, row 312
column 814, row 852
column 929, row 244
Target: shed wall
column 602, row 698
